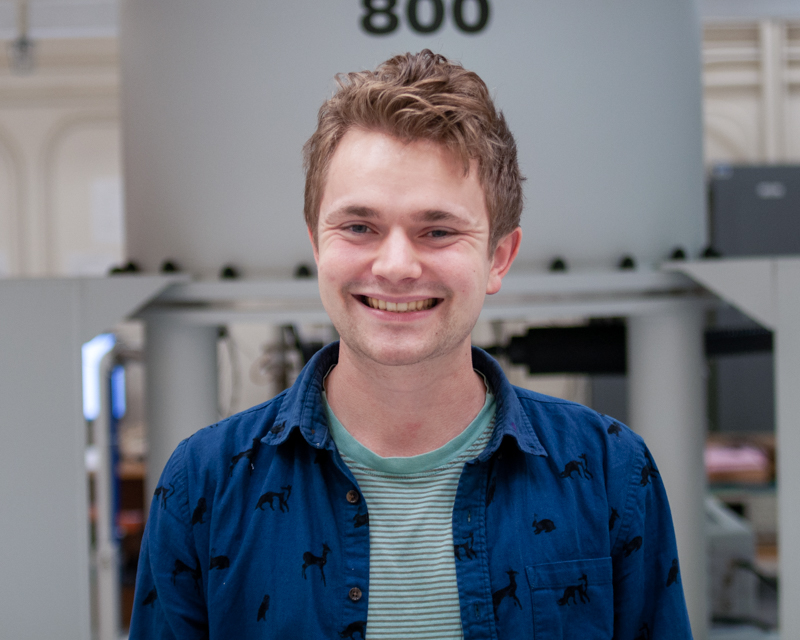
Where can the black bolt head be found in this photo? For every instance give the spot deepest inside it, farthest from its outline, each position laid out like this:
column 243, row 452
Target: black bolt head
column 229, row 272
column 168, row 266
column 677, row 254
column 302, row 270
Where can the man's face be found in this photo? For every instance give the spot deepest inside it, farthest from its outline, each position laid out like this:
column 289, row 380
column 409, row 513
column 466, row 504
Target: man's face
column 402, row 249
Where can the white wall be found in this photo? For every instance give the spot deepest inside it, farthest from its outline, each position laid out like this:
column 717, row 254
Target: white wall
column 751, row 75
column 60, row 161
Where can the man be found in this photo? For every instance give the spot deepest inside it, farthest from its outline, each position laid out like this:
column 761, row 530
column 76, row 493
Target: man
column 402, row 488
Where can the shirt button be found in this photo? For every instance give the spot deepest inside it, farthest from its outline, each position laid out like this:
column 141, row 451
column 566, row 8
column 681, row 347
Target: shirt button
column 353, row 497
column 355, row 594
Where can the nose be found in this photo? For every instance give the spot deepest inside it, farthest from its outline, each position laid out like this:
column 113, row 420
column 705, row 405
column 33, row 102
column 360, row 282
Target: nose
column 397, row 259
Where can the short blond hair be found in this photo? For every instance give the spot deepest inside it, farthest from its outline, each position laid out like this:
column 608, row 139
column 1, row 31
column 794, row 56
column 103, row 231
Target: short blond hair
column 422, row 96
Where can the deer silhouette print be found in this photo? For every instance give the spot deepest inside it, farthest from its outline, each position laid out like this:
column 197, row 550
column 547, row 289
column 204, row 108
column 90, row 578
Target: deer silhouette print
column 615, row 429
column 613, row 519
column 649, row 469
column 543, row 526
column 310, row 559
column 164, row 493
column 250, row 454
column 581, row 466
column 634, row 544
column 199, row 511
column 150, row 598
column 573, row 591
column 354, row 628
column 196, row 573
column 510, row 591
column 672, row 577
column 219, row 562
column 360, row 520
column 263, row 608
column 282, row 496
column 644, row 633
column 466, row 546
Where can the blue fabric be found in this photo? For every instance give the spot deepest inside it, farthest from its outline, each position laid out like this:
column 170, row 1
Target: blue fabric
column 254, row 532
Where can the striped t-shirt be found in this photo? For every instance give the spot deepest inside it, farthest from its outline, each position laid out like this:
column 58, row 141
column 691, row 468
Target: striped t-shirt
column 412, row 574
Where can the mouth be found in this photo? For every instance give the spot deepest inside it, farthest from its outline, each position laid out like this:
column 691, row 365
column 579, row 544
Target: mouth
column 399, row 307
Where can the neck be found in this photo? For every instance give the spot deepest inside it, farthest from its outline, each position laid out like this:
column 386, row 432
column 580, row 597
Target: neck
column 400, row 411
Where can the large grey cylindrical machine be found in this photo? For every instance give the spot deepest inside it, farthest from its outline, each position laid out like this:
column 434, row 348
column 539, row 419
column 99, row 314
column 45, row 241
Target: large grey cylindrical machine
column 604, row 99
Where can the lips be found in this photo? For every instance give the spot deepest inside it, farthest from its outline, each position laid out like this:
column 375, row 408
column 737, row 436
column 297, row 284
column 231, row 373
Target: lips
column 399, row 307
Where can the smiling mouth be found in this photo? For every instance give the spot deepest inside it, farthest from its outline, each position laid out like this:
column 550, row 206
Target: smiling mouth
column 399, row 307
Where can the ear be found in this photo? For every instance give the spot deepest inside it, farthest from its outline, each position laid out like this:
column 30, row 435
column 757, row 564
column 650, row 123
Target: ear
column 314, row 247
column 502, row 259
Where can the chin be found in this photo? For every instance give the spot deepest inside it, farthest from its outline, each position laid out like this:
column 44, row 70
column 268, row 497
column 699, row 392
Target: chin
column 399, row 353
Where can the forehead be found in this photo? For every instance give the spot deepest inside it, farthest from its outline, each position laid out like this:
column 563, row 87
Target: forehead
column 376, row 170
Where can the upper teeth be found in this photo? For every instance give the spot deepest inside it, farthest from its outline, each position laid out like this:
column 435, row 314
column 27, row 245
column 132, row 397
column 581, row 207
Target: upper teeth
column 400, row 307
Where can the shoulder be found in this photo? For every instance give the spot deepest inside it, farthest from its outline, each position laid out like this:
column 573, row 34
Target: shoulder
column 213, row 449
column 566, row 429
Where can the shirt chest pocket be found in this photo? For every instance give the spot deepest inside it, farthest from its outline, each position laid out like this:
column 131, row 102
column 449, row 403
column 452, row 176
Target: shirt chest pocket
column 572, row 600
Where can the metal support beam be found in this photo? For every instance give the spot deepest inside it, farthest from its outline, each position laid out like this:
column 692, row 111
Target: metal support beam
column 666, row 373
column 768, row 290
column 181, row 386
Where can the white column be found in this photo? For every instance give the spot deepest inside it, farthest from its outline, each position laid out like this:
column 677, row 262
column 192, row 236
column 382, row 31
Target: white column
column 666, row 373
column 787, row 428
column 773, row 88
column 181, row 386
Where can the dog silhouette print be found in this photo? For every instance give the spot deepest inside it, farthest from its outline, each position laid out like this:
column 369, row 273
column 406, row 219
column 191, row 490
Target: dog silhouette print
column 573, row 591
column 199, row 511
column 282, row 496
column 509, row 591
column 649, row 469
column 466, row 546
column 250, row 454
column 634, row 544
column 613, row 518
column 310, row 559
column 354, row 628
column 672, row 577
column 263, row 608
column 181, row 567
column 164, row 493
column 151, row 598
column 219, row 562
column 543, row 526
column 579, row 466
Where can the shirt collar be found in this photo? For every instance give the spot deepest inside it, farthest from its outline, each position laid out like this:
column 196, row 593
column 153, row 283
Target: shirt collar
column 302, row 408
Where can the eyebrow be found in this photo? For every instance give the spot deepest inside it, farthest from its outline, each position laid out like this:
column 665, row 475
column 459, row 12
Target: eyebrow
column 359, row 212
column 366, row 213
column 435, row 215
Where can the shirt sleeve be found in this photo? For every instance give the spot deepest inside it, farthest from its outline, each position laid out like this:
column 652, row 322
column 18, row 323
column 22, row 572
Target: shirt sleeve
column 648, row 591
column 169, row 600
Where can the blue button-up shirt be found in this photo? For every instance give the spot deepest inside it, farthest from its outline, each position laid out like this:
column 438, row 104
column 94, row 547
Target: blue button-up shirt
column 258, row 529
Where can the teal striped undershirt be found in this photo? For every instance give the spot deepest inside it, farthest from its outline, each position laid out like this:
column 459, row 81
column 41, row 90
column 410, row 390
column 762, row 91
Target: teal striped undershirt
column 412, row 574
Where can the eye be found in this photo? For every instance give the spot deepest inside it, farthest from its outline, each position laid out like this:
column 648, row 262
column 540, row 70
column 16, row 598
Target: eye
column 439, row 233
column 358, row 228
